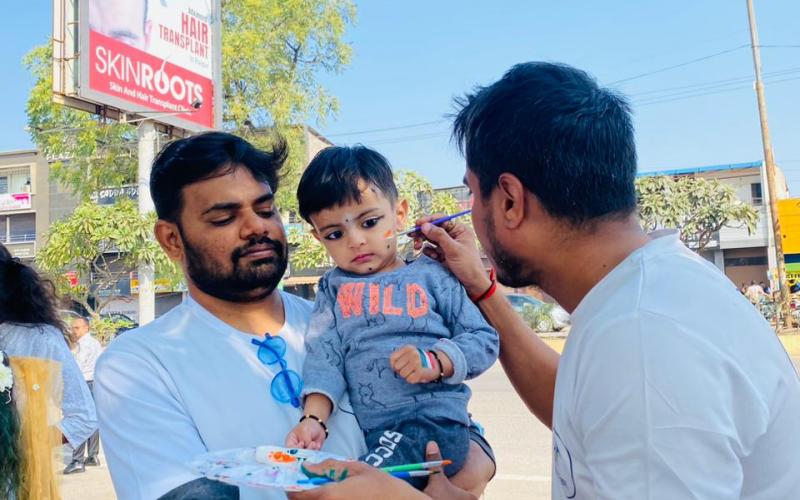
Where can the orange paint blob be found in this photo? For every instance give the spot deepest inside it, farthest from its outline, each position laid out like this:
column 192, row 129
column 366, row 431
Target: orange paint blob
column 280, row 457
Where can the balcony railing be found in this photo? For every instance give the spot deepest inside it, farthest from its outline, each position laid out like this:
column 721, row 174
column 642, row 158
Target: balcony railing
column 18, row 238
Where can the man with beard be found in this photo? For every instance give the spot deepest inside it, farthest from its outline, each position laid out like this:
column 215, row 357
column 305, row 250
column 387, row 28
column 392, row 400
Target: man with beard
column 220, row 370
column 670, row 384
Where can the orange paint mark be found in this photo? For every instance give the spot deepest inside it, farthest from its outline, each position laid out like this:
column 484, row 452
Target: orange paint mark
column 388, row 233
column 349, row 297
column 374, row 299
column 280, row 457
column 388, row 308
column 416, row 301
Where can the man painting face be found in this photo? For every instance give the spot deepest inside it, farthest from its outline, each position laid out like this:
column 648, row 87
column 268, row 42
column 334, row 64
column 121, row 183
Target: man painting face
column 234, row 244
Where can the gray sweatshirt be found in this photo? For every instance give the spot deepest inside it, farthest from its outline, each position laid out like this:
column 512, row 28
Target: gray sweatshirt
column 359, row 321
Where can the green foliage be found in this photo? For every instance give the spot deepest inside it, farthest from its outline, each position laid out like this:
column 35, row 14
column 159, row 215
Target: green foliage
column 102, row 244
column 539, row 317
column 87, row 152
column 698, row 207
column 308, row 253
column 105, row 329
column 272, row 54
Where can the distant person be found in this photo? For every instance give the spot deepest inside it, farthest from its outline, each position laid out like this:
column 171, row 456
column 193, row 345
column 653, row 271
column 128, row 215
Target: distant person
column 743, row 289
column 766, row 288
column 31, row 334
column 754, row 293
column 87, row 350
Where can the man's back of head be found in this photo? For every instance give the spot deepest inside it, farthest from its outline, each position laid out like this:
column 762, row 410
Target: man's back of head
column 569, row 141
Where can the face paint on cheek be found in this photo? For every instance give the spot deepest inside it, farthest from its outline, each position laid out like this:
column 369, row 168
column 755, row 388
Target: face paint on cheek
column 388, row 233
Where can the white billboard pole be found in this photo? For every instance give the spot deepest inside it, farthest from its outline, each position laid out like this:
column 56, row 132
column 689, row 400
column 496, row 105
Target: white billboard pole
column 147, row 153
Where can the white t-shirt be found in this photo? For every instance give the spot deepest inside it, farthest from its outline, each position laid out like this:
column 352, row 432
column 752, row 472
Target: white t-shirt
column 188, row 383
column 672, row 386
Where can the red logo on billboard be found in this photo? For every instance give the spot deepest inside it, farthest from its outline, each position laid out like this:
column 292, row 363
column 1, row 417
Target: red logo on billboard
column 151, row 83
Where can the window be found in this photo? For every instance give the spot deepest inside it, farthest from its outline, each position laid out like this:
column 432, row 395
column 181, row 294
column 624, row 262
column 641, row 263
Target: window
column 15, row 180
column 3, row 229
column 745, row 261
column 755, row 193
column 21, row 228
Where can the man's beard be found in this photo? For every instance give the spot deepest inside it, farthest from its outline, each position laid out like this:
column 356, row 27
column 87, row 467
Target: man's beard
column 243, row 284
column 511, row 270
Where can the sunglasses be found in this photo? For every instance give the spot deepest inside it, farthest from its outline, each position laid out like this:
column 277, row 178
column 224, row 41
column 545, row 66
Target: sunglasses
column 286, row 385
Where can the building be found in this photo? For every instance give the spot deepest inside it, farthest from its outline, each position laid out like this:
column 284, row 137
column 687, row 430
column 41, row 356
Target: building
column 742, row 256
column 24, row 202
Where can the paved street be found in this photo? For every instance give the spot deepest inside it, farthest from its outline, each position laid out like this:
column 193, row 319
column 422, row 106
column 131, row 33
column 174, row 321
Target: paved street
column 521, row 443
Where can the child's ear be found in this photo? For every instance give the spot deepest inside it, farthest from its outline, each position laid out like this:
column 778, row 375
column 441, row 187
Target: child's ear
column 401, row 214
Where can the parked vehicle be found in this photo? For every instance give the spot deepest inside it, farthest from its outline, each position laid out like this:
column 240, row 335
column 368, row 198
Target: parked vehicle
column 545, row 317
column 123, row 322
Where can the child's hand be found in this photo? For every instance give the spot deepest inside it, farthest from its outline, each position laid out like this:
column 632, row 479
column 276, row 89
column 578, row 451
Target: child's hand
column 415, row 365
column 308, row 434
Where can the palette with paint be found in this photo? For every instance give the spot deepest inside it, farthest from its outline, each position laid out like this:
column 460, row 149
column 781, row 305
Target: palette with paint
column 260, row 467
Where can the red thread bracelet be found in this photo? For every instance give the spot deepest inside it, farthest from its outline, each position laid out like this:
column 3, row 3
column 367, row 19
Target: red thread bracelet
column 489, row 291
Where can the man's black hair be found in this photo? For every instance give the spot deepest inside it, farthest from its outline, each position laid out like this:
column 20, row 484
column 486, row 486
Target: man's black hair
column 332, row 178
column 569, row 141
column 204, row 156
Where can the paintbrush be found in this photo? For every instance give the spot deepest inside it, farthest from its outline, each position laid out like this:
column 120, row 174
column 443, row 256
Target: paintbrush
column 435, row 222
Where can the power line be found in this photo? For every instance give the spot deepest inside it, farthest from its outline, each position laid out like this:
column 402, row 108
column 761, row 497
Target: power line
column 399, row 127
column 679, row 65
column 410, row 138
column 714, row 83
column 664, row 99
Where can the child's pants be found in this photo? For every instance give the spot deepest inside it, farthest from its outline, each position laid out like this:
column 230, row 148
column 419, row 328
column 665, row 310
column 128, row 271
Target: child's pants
column 404, row 442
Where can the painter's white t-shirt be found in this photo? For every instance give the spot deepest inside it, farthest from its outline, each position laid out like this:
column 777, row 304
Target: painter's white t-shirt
column 188, row 383
column 672, row 386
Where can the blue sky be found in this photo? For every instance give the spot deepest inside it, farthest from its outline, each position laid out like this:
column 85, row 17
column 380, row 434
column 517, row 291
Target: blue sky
column 412, row 57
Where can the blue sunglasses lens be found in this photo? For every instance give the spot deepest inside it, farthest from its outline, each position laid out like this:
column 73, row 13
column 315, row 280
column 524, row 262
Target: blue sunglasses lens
column 271, row 349
column 286, row 387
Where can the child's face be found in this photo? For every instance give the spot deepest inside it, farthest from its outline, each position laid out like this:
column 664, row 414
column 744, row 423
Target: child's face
column 360, row 236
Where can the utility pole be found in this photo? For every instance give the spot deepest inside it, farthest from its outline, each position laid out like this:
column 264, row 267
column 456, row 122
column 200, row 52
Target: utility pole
column 769, row 165
column 147, row 152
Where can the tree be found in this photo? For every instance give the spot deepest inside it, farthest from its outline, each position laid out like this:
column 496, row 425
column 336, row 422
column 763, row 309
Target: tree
column 698, row 207
column 308, row 253
column 102, row 245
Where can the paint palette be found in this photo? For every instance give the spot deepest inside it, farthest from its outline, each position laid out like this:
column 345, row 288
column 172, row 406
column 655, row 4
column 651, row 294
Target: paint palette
column 260, row 467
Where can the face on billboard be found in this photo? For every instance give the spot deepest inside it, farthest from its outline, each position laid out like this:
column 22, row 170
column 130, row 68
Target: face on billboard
column 124, row 21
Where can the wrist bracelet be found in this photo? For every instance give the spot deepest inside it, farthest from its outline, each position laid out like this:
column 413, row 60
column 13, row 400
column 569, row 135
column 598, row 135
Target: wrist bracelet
column 441, row 367
column 489, row 291
column 318, row 420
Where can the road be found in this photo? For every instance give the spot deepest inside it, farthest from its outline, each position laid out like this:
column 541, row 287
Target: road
column 521, row 444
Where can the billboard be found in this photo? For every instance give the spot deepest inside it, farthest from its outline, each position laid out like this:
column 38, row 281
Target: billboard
column 156, row 59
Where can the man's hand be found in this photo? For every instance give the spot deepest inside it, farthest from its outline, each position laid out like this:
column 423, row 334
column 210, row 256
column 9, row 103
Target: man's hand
column 439, row 486
column 308, row 434
column 453, row 244
column 407, row 362
column 356, row 481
